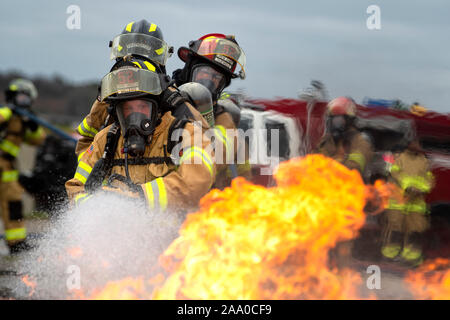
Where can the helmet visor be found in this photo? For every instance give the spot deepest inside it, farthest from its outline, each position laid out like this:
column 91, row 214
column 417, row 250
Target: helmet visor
column 209, row 77
column 224, row 50
column 128, row 80
column 144, row 45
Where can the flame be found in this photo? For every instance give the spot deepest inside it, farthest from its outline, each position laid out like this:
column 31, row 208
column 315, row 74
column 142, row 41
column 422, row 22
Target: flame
column 431, row 280
column 29, row 283
column 251, row 242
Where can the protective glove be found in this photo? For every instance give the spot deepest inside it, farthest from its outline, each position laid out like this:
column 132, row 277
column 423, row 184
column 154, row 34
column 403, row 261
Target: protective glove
column 30, row 124
column 171, row 98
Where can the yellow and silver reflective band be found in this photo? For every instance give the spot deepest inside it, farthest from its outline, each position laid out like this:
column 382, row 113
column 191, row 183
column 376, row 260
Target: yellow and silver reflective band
column 417, row 182
column 31, row 135
column 83, row 171
column 9, row 147
column 395, row 168
column 224, row 95
column 85, row 130
column 155, row 192
column 15, row 234
column 358, row 158
column 81, row 156
column 221, row 134
column 417, row 207
column 193, row 152
column 391, row 251
column 410, row 253
column 81, row 197
column 394, row 205
column 10, row 176
column 6, row 113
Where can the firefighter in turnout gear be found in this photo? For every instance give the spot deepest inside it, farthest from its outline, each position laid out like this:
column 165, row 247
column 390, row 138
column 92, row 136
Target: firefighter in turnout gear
column 212, row 61
column 343, row 141
column 406, row 218
column 345, row 144
column 137, row 40
column 136, row 154
column 15, row 129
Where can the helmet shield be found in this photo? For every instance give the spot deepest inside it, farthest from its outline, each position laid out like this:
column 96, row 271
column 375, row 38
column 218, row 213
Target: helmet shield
column 130, row 80
column 212, row 79
column 224, row 52
column 140, row 44
column 23, row 86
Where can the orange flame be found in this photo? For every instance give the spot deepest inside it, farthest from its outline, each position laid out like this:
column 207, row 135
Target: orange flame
column 29, row 283
column 431, row 280
column 251, row 242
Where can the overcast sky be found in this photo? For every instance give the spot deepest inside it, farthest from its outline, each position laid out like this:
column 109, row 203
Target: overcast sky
column 287, row 43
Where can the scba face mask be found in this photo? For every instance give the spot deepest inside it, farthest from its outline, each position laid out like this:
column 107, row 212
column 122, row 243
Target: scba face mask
column 337, row 125
column 22, row 100
column 212, row 79
column 138, row 120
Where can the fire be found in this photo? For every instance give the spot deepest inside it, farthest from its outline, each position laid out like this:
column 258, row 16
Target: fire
column 251, row 242
column 431, row 280
column 29, row 283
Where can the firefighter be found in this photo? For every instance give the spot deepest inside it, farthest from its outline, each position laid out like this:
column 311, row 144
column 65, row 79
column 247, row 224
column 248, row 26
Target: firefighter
column 212, row 61
column 135, row 156
column 138, row 39
column 346, row 144
column 406, row 218
column 15, row 129
column 343, row 141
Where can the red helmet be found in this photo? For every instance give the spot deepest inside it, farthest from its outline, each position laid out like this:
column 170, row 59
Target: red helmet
column 342, row 106
column 223, row 51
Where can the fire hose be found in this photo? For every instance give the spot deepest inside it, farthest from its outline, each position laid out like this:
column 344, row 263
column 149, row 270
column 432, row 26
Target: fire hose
column 29, row 115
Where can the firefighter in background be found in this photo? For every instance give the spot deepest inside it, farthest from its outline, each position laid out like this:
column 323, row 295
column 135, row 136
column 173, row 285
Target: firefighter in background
column 15, row 129
column 138, row 39
column 406, row 218
column 212, row 61
column 344, row 143
column 134, row 155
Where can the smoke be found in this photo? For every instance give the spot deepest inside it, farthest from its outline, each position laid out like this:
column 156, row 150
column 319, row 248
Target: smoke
column 106, row 238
